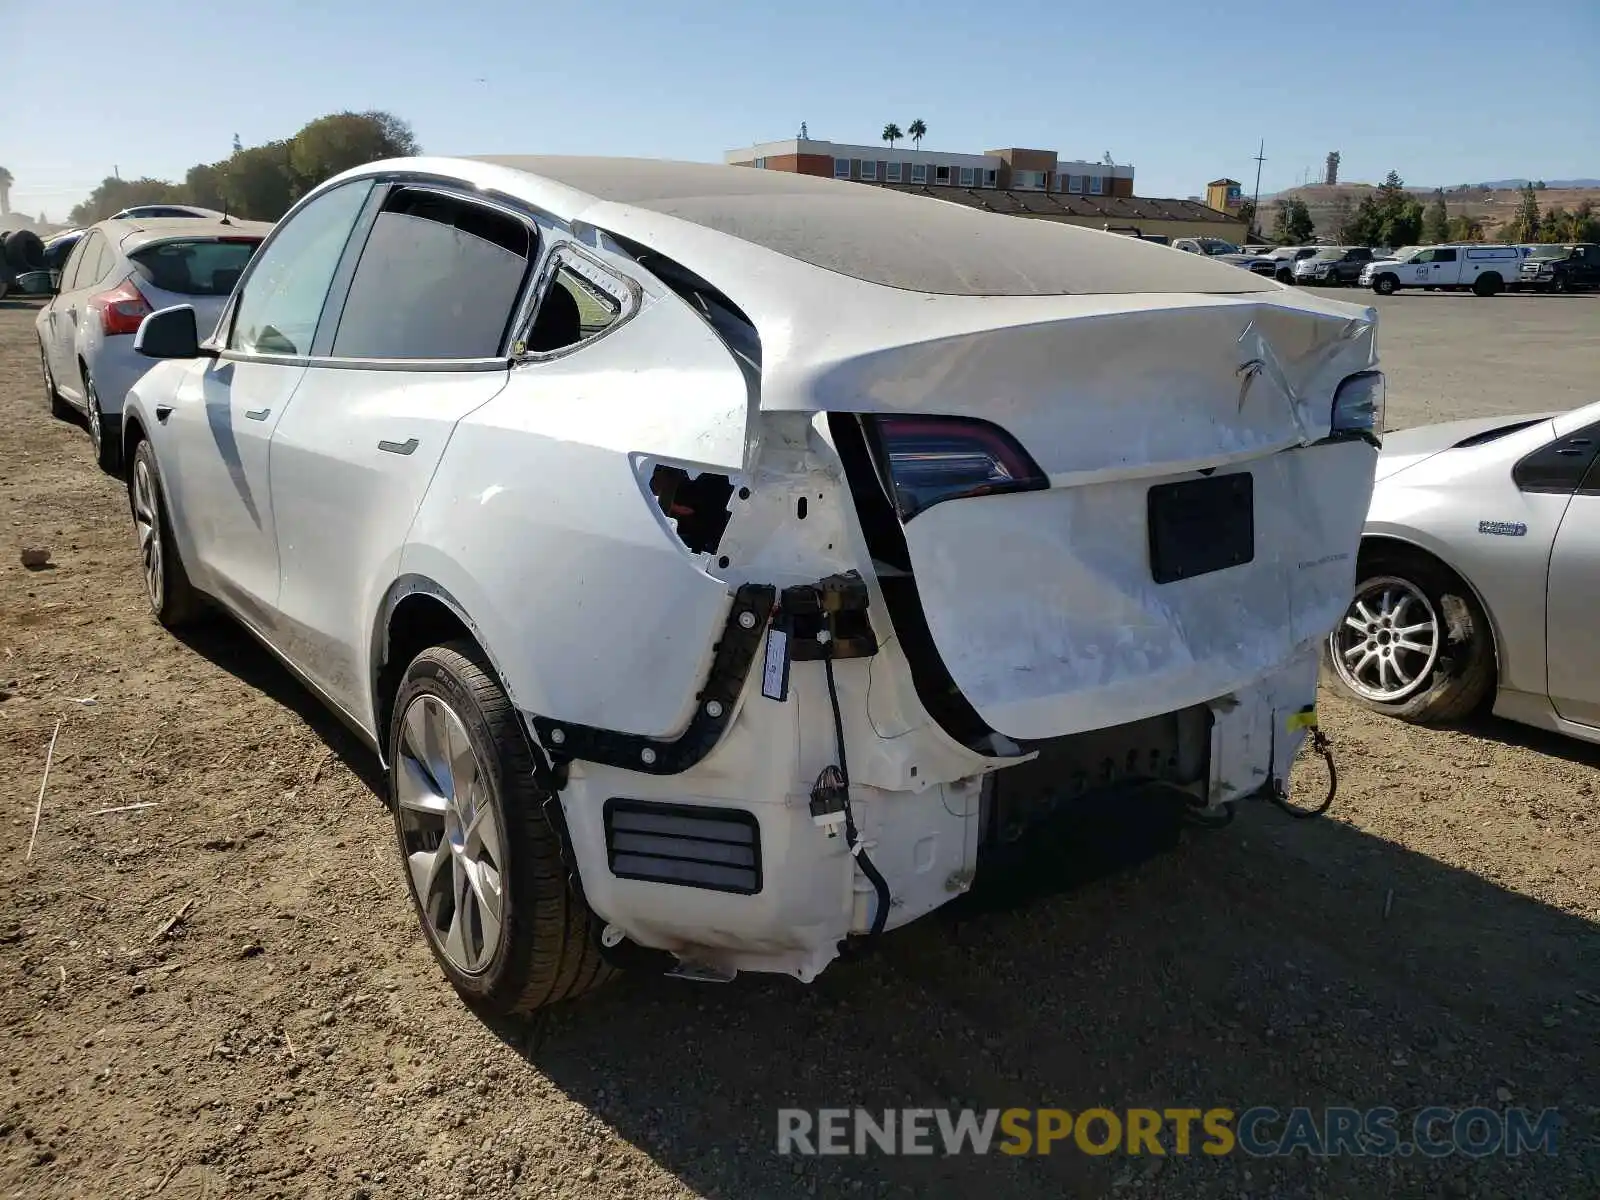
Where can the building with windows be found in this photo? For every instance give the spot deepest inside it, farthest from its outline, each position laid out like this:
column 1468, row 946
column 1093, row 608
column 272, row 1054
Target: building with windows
column 1016, row 182
column 1012, row 169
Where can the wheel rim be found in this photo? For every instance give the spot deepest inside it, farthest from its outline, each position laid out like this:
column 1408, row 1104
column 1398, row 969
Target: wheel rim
column 93, row 405
column 1388, row 642
column 147, row 520
column 450, row 834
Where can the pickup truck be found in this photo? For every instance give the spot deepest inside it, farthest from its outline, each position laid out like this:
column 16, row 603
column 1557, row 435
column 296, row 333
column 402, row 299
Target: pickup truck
column 1332, row 264
column 1485, row 269
column 1561, row 268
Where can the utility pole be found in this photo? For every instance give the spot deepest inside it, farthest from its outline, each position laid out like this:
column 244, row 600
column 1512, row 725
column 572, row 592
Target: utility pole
column 1255, row 203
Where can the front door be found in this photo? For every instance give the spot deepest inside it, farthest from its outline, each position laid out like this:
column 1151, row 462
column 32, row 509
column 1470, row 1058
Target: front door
column 1572, row 633
column 222, row 423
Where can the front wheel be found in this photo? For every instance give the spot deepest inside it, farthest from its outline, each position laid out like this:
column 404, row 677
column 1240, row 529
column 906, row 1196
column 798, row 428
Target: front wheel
column 483, row 861
column 172, row 597
column 1413, row 644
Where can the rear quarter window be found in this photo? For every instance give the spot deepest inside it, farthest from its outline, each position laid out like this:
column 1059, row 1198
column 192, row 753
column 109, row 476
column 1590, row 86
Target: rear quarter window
column 194, row 268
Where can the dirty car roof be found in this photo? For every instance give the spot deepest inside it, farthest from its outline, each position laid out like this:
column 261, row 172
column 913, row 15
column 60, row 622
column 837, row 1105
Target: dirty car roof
column 887, row 237
column 129, row 235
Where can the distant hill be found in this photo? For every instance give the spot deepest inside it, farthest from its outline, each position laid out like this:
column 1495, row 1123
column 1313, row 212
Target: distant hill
column 1553, row 183
column 1493, row 205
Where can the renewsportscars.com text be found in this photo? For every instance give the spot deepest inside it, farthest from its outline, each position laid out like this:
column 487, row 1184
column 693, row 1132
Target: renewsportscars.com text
column 1432, row 1132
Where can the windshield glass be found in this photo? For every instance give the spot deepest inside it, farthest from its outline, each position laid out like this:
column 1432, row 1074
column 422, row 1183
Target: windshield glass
column 1216, row 246
column 1330, row 254
column 1550, row 252
column 1405, row 252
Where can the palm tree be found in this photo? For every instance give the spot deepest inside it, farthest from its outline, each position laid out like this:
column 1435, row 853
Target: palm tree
column 892, row 134
column 5, row 191
column 918, row 130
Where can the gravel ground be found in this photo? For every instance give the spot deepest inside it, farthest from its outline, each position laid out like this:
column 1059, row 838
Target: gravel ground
column 1435, row 941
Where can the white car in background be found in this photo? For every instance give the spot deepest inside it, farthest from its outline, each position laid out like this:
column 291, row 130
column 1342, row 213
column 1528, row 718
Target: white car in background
column 714, row 592
column 118, row 272
column 1484, row 270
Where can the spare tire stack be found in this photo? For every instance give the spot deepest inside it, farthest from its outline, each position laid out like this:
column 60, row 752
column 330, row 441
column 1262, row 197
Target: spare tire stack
column 20, row 250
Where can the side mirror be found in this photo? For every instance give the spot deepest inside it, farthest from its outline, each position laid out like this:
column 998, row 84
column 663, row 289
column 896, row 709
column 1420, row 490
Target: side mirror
column 169, row 333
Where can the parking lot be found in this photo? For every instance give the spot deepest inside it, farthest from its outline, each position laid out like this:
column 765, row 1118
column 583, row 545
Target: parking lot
column 223, row 993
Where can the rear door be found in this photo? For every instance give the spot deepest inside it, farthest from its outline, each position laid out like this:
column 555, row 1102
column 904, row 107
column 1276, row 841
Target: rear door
column 1571, row 632
column 1445, row 267
column 417, row 342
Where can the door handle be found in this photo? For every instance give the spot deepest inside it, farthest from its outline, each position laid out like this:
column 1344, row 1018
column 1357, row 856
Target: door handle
column 257, row 414
column 405, row 447
column 163, row 411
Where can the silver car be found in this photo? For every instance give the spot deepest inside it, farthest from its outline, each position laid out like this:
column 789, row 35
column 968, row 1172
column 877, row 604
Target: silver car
column 1479, row 566
column 118, row 273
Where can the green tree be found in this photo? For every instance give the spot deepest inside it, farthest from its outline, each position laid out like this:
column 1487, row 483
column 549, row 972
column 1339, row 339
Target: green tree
column 1555, row 225
column 259, row 184
column 204, row 186
column 892, row 134
column 115, row 194
column 1585, row 222
column 1365, row 224
column 343, row 140
column 1540, row 186
column 1435, row 221
column 917, row 130
column 1339, row 218
column 1293, row 225
column 1524, row 227
column 1464, row 229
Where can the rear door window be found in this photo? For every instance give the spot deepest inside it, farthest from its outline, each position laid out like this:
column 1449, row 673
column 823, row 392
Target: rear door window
column 195, row 267
column 1444, row 256
column 438, row 278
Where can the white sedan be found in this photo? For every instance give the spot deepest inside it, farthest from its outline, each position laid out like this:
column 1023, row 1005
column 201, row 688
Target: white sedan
column 725, row 563
column 118, row 272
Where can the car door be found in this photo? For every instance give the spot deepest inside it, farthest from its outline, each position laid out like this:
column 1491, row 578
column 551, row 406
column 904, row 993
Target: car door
column 219, row 424
column 418, row 341
column 1446, row 268
column 70, row 309
column 53, row 323
column 1572, row 635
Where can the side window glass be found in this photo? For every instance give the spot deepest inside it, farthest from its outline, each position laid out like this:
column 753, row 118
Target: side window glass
column 282, row 297
column 1425, row 257
column 74, row 264
column 581, row 301
column 97, row 272
column 438, row 279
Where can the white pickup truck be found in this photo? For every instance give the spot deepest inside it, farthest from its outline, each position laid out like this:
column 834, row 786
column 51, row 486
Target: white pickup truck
column 1484, row 269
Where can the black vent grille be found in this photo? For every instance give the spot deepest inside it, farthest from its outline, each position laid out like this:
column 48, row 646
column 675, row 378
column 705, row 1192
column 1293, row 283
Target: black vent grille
column 688, row 845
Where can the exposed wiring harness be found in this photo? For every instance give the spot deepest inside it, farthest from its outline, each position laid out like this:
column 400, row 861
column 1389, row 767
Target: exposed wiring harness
column 830, row 796
column 1279, row 794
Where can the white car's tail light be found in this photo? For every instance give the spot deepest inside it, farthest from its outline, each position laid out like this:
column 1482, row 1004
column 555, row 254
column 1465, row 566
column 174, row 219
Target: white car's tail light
column 930, row 459
column 121, row 309
column 1358, row 404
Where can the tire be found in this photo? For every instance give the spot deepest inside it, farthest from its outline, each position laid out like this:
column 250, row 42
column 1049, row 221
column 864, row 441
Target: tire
column 1385, row 285
column 546, row 947
column 172, row 597
column 1560, row 284
column 1450, row 684
column 24, row 251
column 1487, row 285
column 1285, row 277
column 59, row 408
column 107, row 453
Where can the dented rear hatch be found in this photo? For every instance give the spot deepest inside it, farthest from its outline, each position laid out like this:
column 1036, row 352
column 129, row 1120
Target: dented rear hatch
column 1164, row 518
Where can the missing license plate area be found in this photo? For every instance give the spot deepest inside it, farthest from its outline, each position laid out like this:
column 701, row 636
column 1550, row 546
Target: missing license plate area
column 1201, row 525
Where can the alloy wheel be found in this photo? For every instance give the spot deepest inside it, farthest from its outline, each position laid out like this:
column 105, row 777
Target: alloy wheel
column 451, row 835
column 92, row 404
column 1388, row 643
column 147, row 520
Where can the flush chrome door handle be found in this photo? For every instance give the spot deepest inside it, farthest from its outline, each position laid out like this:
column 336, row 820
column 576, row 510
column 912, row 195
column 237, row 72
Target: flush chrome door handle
column 257, row 414
column 405, row 447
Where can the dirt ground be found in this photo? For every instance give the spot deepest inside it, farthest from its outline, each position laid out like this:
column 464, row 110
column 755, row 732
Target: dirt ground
column 223, row 993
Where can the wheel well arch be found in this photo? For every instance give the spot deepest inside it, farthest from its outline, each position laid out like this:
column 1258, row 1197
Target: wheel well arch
column 132, row 434
column 1379, row 545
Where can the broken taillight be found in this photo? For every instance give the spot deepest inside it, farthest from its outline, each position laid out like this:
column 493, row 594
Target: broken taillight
column 121, row 309
column 932, row 459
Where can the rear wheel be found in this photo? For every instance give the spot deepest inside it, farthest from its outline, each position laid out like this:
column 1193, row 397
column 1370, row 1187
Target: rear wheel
column 172, row 598
column 1560, row 284
column 106, row 451
column 1487, row 285
column 59, row 408
column 1413, row 643
column 483, row 863
column 1385, row 285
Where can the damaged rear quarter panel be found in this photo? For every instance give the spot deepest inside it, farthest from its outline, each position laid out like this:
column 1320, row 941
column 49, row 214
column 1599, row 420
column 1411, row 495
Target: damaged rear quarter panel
column 541, row 525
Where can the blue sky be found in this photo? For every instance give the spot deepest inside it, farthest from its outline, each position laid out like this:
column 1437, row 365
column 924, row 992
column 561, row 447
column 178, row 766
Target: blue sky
column 1444, row 91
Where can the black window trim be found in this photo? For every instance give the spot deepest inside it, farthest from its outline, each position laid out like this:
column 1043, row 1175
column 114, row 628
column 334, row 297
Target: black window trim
column 1555, row 482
